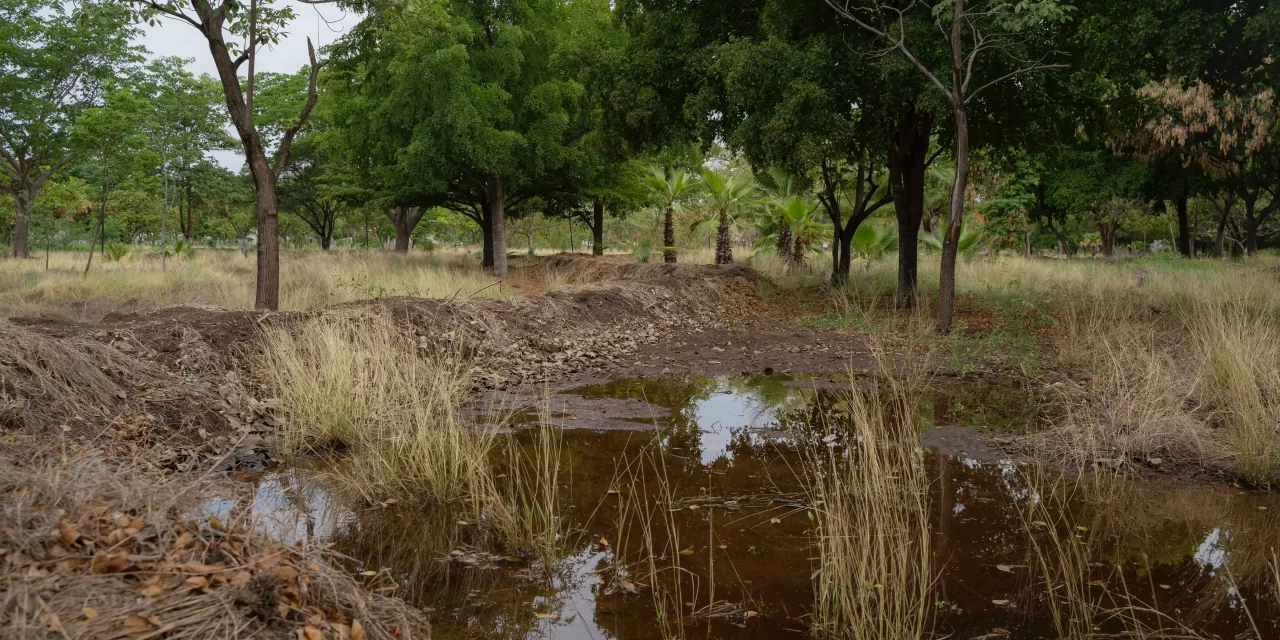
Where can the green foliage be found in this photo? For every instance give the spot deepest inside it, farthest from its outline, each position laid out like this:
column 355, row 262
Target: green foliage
column 872, row 241
column 972, row 239
column 115, row 251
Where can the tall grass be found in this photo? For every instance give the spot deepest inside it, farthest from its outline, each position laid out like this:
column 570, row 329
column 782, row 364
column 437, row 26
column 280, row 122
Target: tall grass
column 308, row 279
column 869, row 506
column 356, row 382
column 1238, row 359
column 1060, row 551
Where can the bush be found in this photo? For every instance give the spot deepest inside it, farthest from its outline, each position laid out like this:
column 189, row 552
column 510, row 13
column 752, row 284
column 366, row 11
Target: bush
column 115, row 251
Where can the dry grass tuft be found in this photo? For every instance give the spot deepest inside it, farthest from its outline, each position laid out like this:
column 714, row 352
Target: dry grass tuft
column 98, row 548
column 870, row 506
column 1132, row 408
column 1238, row 359
column 356, row 381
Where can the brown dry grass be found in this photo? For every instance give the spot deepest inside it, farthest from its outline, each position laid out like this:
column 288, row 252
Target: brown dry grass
column 99, row 548
column 869, row 499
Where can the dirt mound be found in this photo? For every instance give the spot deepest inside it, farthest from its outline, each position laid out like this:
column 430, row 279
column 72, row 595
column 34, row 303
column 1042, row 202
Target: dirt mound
column 185, row 376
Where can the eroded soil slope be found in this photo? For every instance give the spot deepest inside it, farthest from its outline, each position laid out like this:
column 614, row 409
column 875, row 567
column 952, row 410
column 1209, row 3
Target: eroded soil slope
column 183, row 379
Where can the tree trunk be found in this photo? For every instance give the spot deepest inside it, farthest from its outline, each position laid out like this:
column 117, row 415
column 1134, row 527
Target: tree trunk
column 783, row 247
column 908, row 151
column 164, row 215
column 404, row 219
column 724, row 251
column 1184, row 226
column 669, row 235
column 102, row 217
column 797, row 252
column 21, row 226
column 955, row 221
column 498, row 227
column 1107, row 236
column 597, row 228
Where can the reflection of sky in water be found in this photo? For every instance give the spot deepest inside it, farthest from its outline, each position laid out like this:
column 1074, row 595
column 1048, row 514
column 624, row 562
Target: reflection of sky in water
column 288, row 508
column 725, row 412
column 1210, row 553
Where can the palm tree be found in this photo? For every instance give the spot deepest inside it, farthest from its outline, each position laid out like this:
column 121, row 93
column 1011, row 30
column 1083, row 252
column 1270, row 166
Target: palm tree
column 971, row 240
column 728, row 195
column 670, row 186
column 797, row 213
column 779, row 185
column 871, row 241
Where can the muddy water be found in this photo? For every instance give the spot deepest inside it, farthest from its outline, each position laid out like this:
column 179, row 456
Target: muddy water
column 1197, row 554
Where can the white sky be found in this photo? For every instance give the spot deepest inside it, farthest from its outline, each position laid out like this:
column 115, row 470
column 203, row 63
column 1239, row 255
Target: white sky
column 323, row 23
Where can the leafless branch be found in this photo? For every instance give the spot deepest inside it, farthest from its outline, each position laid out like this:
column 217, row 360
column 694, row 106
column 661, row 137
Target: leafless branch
column 282, row 153
column 1017, row 72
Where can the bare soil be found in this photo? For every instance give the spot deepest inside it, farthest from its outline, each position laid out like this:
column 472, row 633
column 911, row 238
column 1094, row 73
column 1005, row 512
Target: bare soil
column 182, row 379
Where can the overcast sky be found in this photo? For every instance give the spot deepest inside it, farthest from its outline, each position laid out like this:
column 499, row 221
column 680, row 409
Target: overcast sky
column 323, row 23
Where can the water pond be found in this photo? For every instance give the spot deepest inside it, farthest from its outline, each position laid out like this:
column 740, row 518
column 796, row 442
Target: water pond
column 1182, row 557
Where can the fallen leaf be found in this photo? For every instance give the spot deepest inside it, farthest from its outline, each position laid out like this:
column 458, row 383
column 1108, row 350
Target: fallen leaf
column 612, row 491
column 1081, row 527
column 357, row 630
column 629, row 587
column 89, row 613
column 602, row 542
column 1165, row 586
column 390, row 501
column 1000, row 602
column 69, row 532
column 198, row 582
column 693, row 507
column 1005, row 568
column 215, row 523
column 687, row 552
column 752, row 614
column 198, row 567
column 774, row 521
column 311, row 633
column 546, row 616
column 368, row 573
column 151, row 591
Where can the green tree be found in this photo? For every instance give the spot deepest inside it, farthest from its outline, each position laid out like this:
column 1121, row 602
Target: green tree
column 260, row 24
column 55, row 57
column 113, row 138
column 1009, row 39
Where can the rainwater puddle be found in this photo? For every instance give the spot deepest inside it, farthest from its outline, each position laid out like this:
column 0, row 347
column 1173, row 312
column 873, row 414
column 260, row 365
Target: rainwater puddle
column 1199, row 554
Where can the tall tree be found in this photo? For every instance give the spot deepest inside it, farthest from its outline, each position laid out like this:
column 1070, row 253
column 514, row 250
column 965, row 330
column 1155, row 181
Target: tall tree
column 259, row 24
column 55, row 57
column 1011, row 38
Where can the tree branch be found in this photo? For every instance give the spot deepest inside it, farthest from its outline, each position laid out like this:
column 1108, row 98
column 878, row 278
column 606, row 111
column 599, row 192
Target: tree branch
column 1037, row 67
column 282, row 153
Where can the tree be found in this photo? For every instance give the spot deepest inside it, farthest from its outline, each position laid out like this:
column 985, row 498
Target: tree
column 260, row 24
column 55, row 57
column 184, row 126
column 113, row 137
column 307, row 191
column 1228, row 136
column 1010, row 33
column 670, row 187
column 727, row 196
